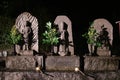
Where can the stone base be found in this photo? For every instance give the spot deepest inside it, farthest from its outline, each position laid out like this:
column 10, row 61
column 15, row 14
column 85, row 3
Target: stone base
column 28, row 75
column 24, row 62
column 101, row 63
column 26, row 53
column 43, row 76
column 103, row 52
column 62, row 63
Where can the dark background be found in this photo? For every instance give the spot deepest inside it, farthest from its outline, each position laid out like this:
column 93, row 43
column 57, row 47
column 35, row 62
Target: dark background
column 81, row 13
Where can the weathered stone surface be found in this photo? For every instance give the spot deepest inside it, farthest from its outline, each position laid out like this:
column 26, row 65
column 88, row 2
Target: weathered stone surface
column 104, row 28
column 26, row 53
column 45, row 76
column 62, row 63
column 106, row 75
column 21, row 26
column 1, row 76
column 23, row 62
column 103, row 52
column 101, row 63
column 60, row 20
column 98, row 23
column 13, row 75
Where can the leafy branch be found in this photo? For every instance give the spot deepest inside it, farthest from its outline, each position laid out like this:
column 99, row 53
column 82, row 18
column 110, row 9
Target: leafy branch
column 91, row 36
column 15, row 36
column 49, row 35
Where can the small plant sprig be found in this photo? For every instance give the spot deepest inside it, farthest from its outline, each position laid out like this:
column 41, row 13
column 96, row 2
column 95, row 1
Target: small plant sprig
column 49, row 35
column 15, row 36
column 91, row 36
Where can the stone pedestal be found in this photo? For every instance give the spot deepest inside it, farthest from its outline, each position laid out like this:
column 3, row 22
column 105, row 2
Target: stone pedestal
column 101, row 63
column 23, row 62
column 40, row 76
column 62, row 63
column 103, row 51
column 26, row 53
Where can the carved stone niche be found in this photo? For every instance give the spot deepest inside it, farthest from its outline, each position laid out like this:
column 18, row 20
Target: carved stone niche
column 66, row 45
column 26, row 25
column 105, row 30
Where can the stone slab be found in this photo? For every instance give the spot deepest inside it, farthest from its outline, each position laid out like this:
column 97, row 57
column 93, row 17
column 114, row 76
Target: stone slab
column 62, row 63
column 43, row 76
column 23, row 62
column 101, row 63
column 26, row 53
column 28, row 75
column 103, row 51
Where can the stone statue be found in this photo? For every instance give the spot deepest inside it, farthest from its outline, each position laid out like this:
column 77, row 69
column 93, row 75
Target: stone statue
column 27, row 36
column 66, row 45
column 27, row 25
column 64, row 41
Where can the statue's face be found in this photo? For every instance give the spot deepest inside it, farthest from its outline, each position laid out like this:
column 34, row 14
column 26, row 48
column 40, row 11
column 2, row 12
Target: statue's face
column 26, row 32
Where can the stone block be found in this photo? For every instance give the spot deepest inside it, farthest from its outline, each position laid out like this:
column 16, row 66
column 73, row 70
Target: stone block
column 26, row 53
column 62, row 63
column 43, row 76
column 23, row 62
column 103, row 52
column 101, row 63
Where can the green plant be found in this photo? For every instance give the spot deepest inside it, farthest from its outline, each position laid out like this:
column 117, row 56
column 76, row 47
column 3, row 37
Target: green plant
column 49, row 35
column 91, row 36
column 15, row 36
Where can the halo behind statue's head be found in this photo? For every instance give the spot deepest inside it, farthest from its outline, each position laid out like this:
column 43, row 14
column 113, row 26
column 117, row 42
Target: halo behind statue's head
column 63, row 21
column 100, row 23
column 21, row 24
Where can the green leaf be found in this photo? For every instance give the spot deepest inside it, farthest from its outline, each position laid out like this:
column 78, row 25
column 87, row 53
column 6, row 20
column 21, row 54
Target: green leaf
column 15, row 36
column 49, row 35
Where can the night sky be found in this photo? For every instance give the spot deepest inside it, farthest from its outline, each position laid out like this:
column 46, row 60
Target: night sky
column 79, row 12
